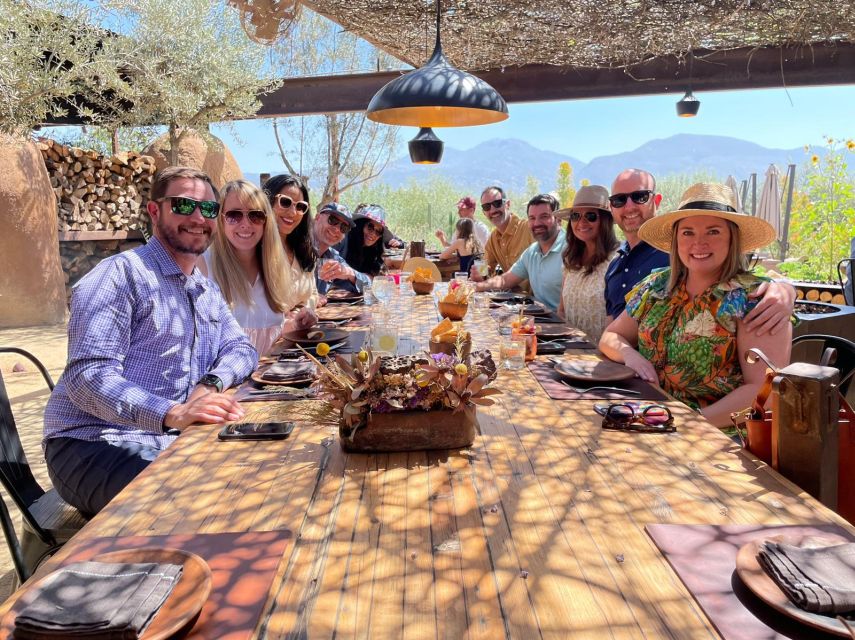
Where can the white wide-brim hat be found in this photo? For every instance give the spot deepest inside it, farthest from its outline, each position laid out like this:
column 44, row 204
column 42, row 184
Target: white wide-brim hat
column 708, row 199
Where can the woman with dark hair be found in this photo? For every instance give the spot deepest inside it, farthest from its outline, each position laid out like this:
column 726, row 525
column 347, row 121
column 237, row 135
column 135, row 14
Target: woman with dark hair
column 591, row 244
column 465, row 244
column 363, row 247
column 289, row 198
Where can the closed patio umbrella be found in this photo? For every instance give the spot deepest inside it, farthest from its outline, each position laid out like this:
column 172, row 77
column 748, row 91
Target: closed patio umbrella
column 769, row 207
column 731, row 182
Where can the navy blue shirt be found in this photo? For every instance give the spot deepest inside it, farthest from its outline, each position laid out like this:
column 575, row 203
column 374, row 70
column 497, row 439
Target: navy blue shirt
column 627, row 269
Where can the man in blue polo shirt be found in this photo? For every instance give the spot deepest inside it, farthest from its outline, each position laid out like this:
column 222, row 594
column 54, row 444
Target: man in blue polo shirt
column 633, row 201
column 541, row 263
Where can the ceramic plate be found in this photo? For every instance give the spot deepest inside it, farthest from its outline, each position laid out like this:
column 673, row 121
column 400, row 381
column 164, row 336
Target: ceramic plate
column 550, row 331
column 181, row 607
column 592, row 369
column 314, row 336
column 535, row 310
column 762, row 586
column 338, row 312
column 343, row 295
column 509, row 296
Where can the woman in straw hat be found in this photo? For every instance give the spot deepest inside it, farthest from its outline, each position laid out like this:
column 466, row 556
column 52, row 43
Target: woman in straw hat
column 683, row 326
column 591, row 244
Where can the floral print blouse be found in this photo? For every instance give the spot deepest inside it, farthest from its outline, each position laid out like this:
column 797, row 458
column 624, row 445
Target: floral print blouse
column 691, row 341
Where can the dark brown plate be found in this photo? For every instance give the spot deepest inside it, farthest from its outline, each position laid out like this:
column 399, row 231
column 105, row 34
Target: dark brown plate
column 338, row 312
column 762, row 586
column 509, row 296
column 181, row 607
column 343, row 295
column 550, row 331
column 535, row 310
column 314, row 336
column 592, row 369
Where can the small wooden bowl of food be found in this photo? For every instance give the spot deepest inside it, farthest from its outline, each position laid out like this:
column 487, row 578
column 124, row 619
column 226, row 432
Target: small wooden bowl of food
column 450, row 348
column 422, row 288
column 452, row 310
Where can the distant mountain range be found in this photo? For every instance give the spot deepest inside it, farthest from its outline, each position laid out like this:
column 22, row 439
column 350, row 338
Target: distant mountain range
column 510, row 162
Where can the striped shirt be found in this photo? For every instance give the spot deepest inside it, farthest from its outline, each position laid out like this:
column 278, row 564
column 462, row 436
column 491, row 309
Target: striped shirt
column 140, row 336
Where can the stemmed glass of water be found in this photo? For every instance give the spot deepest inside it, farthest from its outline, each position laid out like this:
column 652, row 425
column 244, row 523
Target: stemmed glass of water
column 383, row 287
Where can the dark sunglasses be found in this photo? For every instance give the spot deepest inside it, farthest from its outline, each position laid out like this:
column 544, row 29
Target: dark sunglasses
column 209, row 209
column 335, row 222
column 590, row 216
column 638, row 197
column 235, row 216
column 495, row 204
column 285, row 202
column 634, row 416
column 376, row 230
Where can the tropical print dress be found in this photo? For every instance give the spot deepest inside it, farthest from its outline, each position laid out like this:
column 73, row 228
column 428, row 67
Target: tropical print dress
column 691, row 341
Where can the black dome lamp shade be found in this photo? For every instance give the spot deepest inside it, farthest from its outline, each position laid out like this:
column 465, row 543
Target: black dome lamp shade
column 426, row 148
column 437, row 95
column 688, row 105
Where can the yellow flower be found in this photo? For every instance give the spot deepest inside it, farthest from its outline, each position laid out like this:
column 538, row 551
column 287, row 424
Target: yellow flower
column 461, row 369
column 850, row 144
column 363, row 356
column 814, row 159
column 322, row 349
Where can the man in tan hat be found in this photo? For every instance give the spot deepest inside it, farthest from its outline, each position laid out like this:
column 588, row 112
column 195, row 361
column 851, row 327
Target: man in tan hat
column 466, row 209
column 634, row 201
column 510, row 237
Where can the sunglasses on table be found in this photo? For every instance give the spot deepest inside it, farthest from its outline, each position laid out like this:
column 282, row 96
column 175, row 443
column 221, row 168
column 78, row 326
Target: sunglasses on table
column 495, row 204
column 285, row 202
column 236, row 216
column 638, row 197
column 332, row 221
column 590, row 216
column 182, row 206
column 636, row 416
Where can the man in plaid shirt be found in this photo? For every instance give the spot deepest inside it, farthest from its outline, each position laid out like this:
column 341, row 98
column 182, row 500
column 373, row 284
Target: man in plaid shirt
column 151, row 346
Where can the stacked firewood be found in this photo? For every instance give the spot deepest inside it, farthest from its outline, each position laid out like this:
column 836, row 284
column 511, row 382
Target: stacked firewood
column 95, row 192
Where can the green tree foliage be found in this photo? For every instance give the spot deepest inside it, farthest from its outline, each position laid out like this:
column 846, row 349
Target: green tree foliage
column 339, row 150
column 102, row 140
column 823, row 217
column 192, row 65
column 564, row 185
column 532, row 188
column 53, row 57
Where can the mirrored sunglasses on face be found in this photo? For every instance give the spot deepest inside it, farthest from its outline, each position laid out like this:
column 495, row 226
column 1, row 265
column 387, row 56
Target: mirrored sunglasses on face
column 182, row 206
column 285, row 202
column 495, row 204
column 638, row 197
column 332, row 221
column 590, row 216
column 235, row 216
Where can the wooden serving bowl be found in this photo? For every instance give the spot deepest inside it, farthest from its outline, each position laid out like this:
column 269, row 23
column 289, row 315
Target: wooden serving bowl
column 452, row 310
column 449, row 347
column 422, row 288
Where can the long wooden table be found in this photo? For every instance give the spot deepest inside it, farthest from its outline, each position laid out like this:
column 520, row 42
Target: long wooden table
column 536, row 531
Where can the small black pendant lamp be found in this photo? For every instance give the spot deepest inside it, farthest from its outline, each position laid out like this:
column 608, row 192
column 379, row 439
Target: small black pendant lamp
column 426, row 148
column 437, row 95
column 688, row 105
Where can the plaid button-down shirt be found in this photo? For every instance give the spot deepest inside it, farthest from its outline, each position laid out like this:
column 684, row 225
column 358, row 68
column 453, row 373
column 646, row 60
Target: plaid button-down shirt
column 140, row 336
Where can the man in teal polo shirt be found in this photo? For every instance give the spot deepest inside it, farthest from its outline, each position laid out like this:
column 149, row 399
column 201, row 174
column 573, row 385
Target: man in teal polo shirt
column 541, row 263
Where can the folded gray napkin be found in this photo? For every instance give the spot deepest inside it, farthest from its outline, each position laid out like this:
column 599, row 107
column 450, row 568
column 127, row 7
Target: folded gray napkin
column 819, row 580
column 289, row 370
column 97, row 600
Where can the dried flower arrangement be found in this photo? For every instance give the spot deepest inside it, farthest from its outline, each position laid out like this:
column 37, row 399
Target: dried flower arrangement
column 369, row 384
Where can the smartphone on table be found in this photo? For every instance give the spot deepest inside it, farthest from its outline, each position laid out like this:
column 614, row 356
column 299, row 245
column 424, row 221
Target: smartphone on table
column 256, row 431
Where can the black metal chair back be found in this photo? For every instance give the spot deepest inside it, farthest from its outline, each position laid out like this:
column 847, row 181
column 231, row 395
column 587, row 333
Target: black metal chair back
column 816, row 348
column 846, row 277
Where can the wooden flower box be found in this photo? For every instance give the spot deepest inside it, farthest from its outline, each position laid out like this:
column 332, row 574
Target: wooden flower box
column 413, row 431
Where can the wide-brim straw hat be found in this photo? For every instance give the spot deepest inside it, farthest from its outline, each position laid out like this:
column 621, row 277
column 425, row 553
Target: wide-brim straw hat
column 708, row 199
column 591, row 196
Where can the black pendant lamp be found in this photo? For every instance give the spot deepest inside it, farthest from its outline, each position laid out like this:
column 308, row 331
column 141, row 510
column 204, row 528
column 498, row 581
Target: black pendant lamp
column 426, row 148
column 688, row 105
column 437, row 95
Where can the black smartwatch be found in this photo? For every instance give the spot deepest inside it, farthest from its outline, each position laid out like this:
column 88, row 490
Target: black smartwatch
column 210, row 380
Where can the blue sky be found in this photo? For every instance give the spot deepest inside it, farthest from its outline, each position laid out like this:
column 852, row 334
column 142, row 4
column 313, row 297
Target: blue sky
column 585, row 129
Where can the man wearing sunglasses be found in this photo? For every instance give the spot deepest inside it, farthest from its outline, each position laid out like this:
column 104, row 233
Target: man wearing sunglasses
column 151, row 347
column 541, row 263
column 331, row 225
column 510, row 237
column 634, row 201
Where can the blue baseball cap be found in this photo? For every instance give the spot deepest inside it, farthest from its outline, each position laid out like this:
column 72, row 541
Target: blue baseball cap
column 337, row 209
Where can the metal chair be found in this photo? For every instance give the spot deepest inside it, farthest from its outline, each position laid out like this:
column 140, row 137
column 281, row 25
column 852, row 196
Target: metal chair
column 832, row 351
column 48, row 521
column 845, row 273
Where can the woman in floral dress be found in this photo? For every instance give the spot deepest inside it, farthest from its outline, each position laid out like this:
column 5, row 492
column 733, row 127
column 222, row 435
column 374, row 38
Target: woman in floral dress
column 683, row 326
column 591, row 244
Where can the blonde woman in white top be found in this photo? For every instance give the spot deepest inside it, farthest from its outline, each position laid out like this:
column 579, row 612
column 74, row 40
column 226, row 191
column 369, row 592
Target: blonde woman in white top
column 591, row 244
column 248, row 263
column 289, row 198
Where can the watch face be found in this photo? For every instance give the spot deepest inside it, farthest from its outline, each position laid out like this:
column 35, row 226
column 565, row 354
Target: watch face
column 212, row 381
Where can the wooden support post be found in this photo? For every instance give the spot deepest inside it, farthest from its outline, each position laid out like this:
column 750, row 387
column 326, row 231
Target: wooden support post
column 805, row 445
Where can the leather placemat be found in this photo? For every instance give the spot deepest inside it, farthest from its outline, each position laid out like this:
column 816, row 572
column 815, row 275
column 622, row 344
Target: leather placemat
column 243, row 566
column 704, row 557
column 545, row 374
